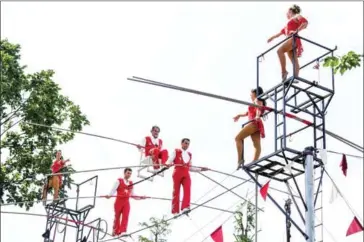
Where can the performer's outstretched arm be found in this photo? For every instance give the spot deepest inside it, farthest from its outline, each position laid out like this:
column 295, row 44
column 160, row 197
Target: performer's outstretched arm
column 171, row 159
column 142, row 144
column 113, row 190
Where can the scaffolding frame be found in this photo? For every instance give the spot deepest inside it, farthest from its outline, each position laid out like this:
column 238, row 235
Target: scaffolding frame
column 74, row 217
column 273, row 166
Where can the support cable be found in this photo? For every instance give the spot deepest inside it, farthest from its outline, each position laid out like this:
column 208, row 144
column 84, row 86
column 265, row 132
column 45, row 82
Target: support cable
column 137, row 197
column 69, row 220
column 209, row 178
column 225, row 221
column 175, row 217
column 344, row 198
column 269, row 109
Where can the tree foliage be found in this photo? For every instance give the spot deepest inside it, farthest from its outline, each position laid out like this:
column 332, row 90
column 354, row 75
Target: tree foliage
column 159, row 229
column 343, row 63
column 245, row 225
column 28, row 150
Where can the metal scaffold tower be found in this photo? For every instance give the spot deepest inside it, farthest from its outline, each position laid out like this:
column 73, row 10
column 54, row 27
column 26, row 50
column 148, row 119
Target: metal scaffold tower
column 306, row 97
column 61, row 213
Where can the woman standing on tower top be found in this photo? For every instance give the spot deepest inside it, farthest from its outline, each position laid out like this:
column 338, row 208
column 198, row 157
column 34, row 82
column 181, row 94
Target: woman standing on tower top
column 295, row 24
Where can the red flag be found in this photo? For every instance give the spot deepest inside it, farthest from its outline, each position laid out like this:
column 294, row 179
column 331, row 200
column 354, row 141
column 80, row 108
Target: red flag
column 217, row 235
column 264, row 190
column 354, row 227
column 344, row 165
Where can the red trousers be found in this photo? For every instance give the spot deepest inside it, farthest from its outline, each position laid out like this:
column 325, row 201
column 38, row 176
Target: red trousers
column 181, row 176
column 158, row 154
column 122, row 209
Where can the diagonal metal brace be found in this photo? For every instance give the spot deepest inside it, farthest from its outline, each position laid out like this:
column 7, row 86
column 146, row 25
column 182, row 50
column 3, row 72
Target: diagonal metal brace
column 278, row 206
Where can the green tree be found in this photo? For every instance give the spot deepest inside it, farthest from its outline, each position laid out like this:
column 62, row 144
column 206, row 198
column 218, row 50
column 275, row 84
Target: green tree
column 245, row 225
column 28, row 150
column 159, row 229
column 343, row 63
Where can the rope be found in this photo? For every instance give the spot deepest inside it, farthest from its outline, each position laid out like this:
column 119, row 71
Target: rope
column 209, row 178
column 212, row 220
column 269, row 109
column 136, row 197
column 340, row 153
column 223, row 222
column 175, row 217
column 69, row 220
column 342, row 195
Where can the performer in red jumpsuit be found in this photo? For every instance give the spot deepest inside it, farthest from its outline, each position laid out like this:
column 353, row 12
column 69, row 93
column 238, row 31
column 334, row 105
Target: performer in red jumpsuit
column 295, row 24
column 153, row 147
column 181, row 158
column 55, row 182
column 123, row 188
column 254, row 129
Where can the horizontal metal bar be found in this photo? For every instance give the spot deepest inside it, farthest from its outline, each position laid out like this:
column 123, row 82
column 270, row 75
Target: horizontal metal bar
column 314, row 60
column 87, row 180
column 262, row 159
column 302, row 110
column 319, row 45
column 274, row 46
column 316, row 85
column 321, row 137
column 295, row 132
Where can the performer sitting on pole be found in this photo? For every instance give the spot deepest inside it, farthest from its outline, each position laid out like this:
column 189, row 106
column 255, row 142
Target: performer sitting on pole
column 254, row 129
column 295, row 24
column 123, row 187
column 181, row 158
column 153, row 148
column 55, row 181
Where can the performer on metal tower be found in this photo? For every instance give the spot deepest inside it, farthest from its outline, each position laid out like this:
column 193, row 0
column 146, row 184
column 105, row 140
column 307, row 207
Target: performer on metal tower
column 295, row 24
column 123, row 188
column 55, row 181
column 153, row 147
column 182, row 159
column 254, row 129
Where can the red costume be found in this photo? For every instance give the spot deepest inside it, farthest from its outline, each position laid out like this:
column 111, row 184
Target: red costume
column 181, row 176
column 252, row 112
column 56, row 167
column 292, row 26
column 153, row 148
column 123, row 189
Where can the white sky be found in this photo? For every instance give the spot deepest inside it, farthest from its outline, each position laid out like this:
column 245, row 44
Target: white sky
column 212, row 46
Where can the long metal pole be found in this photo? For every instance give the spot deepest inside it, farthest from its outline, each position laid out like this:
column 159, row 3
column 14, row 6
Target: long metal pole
column 256, row 208
column 309, row 185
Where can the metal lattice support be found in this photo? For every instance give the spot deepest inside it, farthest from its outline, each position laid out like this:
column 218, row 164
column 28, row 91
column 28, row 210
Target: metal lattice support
column 307, row 97
column 72, row 216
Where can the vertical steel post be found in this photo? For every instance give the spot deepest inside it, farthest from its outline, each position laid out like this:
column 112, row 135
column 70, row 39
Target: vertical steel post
column 309, row 193
column 256, row 208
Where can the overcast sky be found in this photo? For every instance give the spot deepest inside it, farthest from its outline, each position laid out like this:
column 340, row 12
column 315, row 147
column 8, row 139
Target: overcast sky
column 93, row 47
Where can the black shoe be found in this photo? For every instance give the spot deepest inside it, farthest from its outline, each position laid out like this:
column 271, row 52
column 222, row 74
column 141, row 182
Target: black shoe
column 46, row 234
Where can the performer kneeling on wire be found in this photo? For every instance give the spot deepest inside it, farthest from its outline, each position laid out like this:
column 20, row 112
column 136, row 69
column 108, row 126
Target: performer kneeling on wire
column 123, row 187
column 55, row 181
column 181, row 158
column 254, row 129
column 153, row 148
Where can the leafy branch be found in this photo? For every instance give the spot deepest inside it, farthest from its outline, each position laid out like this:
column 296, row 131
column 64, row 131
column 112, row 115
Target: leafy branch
column 343, row 63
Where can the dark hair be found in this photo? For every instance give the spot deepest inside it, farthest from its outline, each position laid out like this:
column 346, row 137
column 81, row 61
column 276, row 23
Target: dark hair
column 259, row 91
column 185, row 139
column 127, row 169
column 155, row 127
column 55, row 153
column 295, row 9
